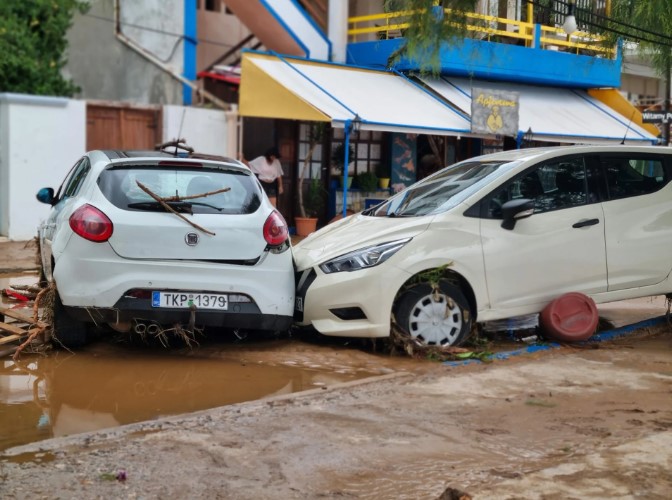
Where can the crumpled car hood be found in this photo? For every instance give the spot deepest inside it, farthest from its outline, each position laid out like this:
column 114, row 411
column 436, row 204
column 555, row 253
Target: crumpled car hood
column 355, row 232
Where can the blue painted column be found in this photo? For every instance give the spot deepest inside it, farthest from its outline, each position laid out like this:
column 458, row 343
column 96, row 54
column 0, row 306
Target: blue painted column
column 190, row 42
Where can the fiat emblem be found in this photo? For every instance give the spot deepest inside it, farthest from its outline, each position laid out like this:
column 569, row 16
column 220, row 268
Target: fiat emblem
column 191, row 239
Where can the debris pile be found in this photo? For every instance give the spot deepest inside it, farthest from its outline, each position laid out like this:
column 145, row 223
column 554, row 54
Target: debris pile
column 20, row 330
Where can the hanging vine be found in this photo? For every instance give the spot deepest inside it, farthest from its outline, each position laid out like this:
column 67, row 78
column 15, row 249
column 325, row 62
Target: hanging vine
column 429, row 23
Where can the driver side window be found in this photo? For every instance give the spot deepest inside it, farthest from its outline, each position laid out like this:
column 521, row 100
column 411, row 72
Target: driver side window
column 551, row 186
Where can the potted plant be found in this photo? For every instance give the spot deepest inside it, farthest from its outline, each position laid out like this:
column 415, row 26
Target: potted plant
column 383, row 173
column 338, row 161
column 311, row 205
column 367, row 182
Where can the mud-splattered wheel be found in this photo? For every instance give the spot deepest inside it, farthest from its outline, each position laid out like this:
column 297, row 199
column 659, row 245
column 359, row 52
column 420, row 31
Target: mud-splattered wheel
column 434, row 318
column 68, row 332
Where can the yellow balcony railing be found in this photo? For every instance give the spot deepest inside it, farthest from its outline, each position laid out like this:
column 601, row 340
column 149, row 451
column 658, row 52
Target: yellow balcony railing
column 490, row 28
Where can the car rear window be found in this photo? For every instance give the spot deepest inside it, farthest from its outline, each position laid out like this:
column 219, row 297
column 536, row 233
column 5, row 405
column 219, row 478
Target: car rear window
column 200, row 190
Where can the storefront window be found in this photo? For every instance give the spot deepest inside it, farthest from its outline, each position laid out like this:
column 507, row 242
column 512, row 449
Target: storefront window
column 367, row 146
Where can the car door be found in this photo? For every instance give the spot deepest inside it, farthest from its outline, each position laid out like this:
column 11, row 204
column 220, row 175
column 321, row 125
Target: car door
column 638, row 217
column 63, row 198
column 559, row 249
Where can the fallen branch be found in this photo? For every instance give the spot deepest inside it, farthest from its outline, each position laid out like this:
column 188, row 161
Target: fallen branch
column 32, row 334
column 36, row 306
column 193, row 196
column 170, row 209
column 402, row 341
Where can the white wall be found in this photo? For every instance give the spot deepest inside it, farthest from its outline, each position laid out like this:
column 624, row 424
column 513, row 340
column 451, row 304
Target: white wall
column 40, row 139
column 208, row 131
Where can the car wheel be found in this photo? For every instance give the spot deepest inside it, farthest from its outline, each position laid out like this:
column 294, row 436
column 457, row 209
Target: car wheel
column 68, row 332
column 434, row 318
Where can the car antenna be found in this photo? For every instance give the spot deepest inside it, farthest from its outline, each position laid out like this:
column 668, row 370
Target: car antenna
column 628, row 129
column 179, row 133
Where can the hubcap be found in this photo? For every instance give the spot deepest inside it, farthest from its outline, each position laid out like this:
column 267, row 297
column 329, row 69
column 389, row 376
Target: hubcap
column 435, row 320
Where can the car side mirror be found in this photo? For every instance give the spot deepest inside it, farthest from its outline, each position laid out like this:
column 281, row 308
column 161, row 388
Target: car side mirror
column 514, row 210
column 45, row 195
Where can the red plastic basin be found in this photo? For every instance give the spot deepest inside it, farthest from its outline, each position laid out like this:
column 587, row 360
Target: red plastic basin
column 571, row 317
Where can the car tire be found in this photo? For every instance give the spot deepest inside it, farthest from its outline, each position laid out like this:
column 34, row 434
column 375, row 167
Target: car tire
column 67, row 332
column 441, row 318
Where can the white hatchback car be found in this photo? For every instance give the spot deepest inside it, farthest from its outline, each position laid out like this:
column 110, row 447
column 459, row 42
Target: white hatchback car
column 513, row 231
column 146, row 240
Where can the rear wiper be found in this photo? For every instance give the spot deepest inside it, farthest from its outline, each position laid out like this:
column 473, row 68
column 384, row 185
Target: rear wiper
column 178, row 206
column 201, row 204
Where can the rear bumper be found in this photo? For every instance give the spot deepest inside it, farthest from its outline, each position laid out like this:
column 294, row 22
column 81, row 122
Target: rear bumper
column 249, row 317
column 91, row 275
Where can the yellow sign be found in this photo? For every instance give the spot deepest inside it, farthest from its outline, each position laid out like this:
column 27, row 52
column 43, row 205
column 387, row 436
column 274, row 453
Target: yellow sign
column 494, row 112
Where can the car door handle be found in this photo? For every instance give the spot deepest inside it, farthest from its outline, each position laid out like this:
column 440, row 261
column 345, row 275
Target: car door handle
column 587, row 222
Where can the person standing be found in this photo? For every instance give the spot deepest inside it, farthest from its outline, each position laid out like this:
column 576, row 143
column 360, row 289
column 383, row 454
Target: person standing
column 269, row 171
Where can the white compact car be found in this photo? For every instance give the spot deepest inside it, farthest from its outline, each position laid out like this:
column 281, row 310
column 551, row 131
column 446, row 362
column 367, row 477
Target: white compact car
column 146, row 240
column 509, row 232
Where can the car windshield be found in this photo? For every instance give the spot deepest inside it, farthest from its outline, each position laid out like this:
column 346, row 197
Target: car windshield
column 200, row 190
column 441, row 191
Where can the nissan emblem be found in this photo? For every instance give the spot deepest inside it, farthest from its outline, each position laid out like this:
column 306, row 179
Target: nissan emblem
column 191, row 239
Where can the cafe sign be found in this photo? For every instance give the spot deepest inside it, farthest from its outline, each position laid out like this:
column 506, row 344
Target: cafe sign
column 494, row 112
column 656, row 117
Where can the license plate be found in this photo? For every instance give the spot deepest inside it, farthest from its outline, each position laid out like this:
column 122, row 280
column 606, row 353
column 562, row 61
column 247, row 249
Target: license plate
column 182, row 300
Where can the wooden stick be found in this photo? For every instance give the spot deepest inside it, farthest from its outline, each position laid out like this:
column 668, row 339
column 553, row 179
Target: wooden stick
column 170, row 209
column 191, row 197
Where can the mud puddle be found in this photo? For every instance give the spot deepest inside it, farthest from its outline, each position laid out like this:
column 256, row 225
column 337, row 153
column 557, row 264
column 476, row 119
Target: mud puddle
column 110, row 385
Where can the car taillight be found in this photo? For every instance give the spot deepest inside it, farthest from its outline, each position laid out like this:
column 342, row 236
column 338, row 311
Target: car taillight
column 91, row 224
column 275, row 229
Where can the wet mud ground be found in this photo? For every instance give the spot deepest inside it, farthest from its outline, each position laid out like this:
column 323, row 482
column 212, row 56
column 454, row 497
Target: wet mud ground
column 567, row 423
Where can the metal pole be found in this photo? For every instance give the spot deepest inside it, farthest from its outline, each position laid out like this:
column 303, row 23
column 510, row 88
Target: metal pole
column 346, row 159
column 666, row 122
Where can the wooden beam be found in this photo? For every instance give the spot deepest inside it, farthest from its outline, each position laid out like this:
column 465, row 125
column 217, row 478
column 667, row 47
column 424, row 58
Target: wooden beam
column 11, row 338
column 13, row 313
column 12, row 329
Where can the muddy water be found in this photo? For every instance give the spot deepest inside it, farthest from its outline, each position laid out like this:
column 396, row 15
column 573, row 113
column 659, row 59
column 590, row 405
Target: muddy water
column 109, row 385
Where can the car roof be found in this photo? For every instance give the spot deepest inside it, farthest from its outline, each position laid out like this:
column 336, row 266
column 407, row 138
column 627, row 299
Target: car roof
column 115, row 154
column 128, row 157
column 549, row 152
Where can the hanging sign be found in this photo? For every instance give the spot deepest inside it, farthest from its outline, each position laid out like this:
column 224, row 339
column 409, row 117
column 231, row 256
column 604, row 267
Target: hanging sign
column 656, row 117
column 494, row 112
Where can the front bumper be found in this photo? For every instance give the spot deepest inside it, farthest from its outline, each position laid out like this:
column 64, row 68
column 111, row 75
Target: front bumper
column 325, row 297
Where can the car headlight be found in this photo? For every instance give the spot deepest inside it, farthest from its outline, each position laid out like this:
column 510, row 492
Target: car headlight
column 363, row 258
